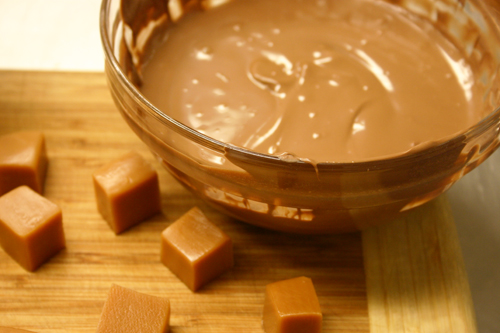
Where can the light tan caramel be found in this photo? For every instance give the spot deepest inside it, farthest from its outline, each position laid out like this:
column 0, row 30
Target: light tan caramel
column 195, row 249
column 128, row 311
column 127, row 191
column 291, row 306
column 23, row 161
column 31, row 229
column 325, row 81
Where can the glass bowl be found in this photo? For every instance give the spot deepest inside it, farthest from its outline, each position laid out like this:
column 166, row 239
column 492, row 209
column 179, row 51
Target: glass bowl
column 288, row 194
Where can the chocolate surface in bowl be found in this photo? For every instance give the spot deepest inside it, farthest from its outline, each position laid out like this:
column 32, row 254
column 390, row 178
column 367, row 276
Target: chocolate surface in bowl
column 291, row 192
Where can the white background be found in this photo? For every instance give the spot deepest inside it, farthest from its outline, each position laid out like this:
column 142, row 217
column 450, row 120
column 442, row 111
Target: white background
column 64, row 35
column 50, row 34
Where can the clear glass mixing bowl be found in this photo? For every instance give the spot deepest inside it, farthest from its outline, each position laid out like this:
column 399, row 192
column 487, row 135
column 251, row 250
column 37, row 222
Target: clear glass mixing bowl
column 288, row 194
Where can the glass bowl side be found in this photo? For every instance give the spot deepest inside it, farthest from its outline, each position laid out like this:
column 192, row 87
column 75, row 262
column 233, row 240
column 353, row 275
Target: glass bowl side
column 283, row 195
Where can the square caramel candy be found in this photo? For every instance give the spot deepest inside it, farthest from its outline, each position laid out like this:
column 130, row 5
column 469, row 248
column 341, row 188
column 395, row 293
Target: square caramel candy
column 291, row 306
column 195, row 249
column 31, row 230
column 127, row 191
column 129, row 311
column 23, row 161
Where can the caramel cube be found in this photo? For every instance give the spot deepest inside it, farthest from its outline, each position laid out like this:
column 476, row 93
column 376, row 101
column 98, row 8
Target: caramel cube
column 291, row 306
column 12, row 330
column 195, row 249
column 129, row 311
column 127, row 191
column 23, row 161
column 31, row 230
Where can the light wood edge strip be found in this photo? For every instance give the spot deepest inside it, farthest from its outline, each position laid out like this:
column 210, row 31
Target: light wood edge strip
column 415, row 274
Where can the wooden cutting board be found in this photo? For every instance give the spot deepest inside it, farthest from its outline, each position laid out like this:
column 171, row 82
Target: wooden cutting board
column 407, row 276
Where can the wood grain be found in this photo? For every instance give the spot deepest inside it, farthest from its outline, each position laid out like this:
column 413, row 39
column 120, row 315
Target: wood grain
column 416, row 277
column 414, row 282
column 84, row 131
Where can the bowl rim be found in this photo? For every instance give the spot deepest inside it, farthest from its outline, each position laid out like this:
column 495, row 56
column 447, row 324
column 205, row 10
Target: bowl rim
column 388, row 161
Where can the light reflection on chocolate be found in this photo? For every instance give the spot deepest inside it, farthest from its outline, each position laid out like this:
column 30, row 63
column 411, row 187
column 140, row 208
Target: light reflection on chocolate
column 331, row 81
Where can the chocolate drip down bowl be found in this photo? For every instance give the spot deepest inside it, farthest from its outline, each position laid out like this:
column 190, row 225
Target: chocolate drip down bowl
column 309, row 116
